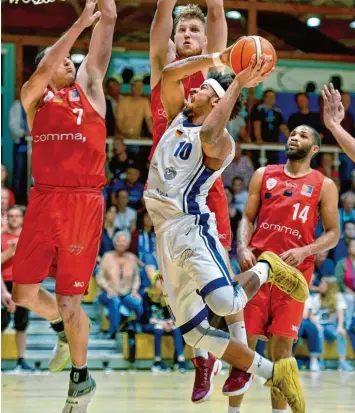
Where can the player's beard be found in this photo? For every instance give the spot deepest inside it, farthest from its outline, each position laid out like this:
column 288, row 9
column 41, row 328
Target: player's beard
column 188, row 113
column 297, row 154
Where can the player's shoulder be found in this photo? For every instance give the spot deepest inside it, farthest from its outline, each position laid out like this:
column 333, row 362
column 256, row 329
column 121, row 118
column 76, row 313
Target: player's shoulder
column 328, row 184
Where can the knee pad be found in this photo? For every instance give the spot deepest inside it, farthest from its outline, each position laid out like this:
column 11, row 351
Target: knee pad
column 5, row 319
column 227, row 300
column 208, row 338
column 21, row 319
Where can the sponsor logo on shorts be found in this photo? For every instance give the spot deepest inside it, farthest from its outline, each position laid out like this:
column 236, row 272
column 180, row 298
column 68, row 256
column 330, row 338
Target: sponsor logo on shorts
column 75, row 249
column 78, row 284
column 161, row 193
column 271, row 183
column 52, row 137
column 222, row 236
column 185, row 256
column 281, row 228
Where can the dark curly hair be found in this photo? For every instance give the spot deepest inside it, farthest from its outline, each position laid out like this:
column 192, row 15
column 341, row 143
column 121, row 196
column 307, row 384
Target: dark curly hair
column 225, row 80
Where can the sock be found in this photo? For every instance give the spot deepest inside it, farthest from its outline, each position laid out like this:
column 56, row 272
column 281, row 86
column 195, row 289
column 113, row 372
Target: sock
column 58, row 327
column 261, row 269
column 198, row 352
column 19, row 360
column 232, row 409
column 237, row 330
column 79, row 374
column 261, row 367
column 278, row 411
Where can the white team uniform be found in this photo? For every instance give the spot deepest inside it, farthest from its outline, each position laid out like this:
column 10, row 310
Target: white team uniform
column 190, row 256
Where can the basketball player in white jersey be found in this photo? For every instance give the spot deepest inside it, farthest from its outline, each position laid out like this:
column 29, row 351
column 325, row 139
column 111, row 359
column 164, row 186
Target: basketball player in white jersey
column 193, row 152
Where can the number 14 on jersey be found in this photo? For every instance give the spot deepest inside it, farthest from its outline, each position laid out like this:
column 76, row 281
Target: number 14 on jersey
column 303, row 215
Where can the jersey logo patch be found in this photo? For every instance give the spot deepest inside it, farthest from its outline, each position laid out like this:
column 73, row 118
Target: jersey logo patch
column 270, row 183
column 74, row 95
column 48, row 97
column 307, row 190
column 170, row 173
column 178, row 133
column 57, row 99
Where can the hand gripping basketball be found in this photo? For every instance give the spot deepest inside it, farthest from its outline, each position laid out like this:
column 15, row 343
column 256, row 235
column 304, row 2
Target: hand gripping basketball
column 255, row 73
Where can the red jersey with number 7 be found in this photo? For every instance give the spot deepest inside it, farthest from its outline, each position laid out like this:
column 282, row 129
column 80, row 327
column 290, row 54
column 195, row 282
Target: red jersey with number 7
column 289, row 211
column 69, row 140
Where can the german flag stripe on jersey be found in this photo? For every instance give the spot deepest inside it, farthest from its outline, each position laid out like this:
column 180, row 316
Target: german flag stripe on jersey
column 178, row 132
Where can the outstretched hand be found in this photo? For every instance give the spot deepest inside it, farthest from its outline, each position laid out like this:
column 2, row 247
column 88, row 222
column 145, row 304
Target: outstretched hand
column 88, row 17
column 255, row 73
column 333, row 112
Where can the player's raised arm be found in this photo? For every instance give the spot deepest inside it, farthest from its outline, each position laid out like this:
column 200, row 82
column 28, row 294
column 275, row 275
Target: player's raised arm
column 333, row 115
column 246, row 225
column 172, row 89
column 94, row 67
column 159, row 42
column 32, row 90
column 217, row 31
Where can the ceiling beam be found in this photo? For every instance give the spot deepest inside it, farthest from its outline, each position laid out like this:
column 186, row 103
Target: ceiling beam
column 84, row 44
column 292, row 8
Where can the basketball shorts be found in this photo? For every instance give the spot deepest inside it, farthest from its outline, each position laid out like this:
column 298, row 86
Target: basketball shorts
column 273, row 312
column 60, row 238
column 192, row 264
column 218, row 204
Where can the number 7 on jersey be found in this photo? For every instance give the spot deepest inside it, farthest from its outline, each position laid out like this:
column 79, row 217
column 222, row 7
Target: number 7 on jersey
column 80, row 115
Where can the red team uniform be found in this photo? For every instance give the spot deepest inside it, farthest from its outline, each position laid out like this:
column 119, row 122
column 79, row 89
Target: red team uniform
column 64, row 219
column 216, row 200
column 287, row 219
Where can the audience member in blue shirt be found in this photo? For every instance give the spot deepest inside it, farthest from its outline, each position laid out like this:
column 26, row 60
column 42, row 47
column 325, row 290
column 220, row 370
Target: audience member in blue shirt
column 108, row 232
column 324, row 266
column 134, row 187
column 341, row 249
column 143, row 240
column 347, row 212
column 240, row 194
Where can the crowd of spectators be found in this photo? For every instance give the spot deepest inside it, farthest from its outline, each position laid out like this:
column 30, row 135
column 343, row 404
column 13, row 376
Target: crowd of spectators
column 127, row 270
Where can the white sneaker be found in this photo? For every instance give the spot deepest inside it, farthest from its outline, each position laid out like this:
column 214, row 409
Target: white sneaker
column 79, row 396
column 314, row 365
column 60, row 357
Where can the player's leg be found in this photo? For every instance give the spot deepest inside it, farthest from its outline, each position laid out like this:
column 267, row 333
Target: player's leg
column 21, row 319
column 281, row 348
column 78, row 242
column 236, row 401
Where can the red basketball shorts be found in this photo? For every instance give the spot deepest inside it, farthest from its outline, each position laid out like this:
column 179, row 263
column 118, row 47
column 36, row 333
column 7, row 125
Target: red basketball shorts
column 217, row 203
column 273, row 312
column 60, row 238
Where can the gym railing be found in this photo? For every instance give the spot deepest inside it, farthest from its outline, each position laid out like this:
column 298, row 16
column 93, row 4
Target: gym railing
column 245, row 146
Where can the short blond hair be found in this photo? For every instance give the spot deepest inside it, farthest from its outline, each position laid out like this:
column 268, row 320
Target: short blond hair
column 191, row 11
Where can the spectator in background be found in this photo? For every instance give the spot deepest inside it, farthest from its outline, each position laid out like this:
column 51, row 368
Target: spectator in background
column 120, row 160
column 156, row 320
column 240, row 166
column 238, row 129
column 9, row 241
column 329, row 309
column 240, row 194
column 19, row 130
column 341, row 250
column 113, row 89
column 118, row 276
column 324, row 267
column 347, row 211
column 345, row 273
column 4, row 186
column 310, row 330
column 131, row 184
column 108, row 232
column 143, row 240
column 327, row 167
column 234, row 215
column 126, row 217
column 267, row 121
column 5, row 204
column 304, row 116
column 132, row 111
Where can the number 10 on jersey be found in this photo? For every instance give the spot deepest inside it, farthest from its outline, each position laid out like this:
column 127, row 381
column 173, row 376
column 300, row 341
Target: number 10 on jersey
column 183, row 151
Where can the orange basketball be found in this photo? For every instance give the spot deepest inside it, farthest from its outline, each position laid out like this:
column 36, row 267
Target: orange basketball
column 245, row 48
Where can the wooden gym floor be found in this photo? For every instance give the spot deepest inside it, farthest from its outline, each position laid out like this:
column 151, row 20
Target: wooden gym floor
column 144, row 392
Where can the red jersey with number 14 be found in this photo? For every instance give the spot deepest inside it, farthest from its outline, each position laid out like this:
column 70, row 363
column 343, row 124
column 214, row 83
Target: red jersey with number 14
column 289, row 211
column 69, row 139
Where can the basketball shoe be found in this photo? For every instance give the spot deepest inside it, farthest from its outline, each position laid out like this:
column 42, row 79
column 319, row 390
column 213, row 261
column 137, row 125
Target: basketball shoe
column 79, row 396
column 285, row 277
column 285, row 382
column 206, row 370
column 238, row 382
column 61, row 353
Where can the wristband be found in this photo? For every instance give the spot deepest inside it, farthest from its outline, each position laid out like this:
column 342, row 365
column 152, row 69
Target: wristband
column 216, row 59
